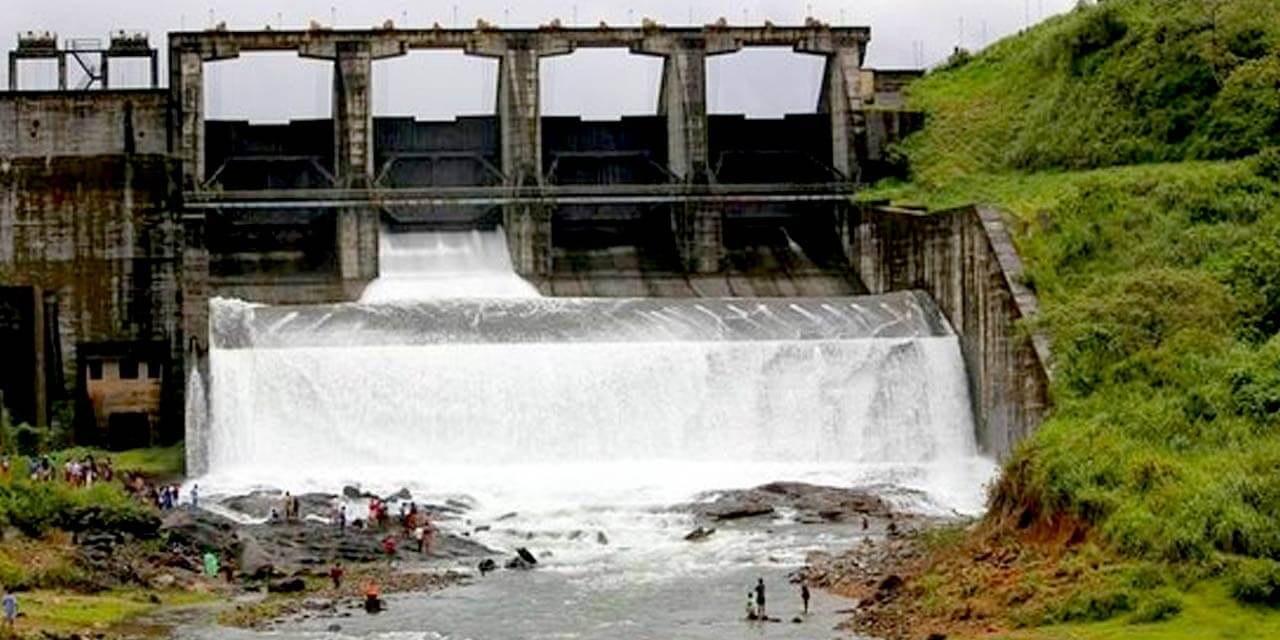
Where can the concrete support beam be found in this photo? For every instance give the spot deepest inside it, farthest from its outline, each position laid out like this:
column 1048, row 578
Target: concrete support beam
column 352, row 103
column 186, row 83
column 353, row 115
column 527, row 225
column 841, row 98
column 357, row 236
column 13, row 72
column 62, row 72
column 195, row 291
column 699, row 228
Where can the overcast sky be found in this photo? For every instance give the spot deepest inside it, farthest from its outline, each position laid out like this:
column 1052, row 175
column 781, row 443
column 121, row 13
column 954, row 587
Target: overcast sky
column 595, row 84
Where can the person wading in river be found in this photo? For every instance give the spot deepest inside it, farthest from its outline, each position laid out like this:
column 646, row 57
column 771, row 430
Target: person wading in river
column 804, row 596
column 760, row 599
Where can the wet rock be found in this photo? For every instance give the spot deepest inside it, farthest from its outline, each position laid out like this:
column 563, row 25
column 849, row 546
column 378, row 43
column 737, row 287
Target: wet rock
column 487, row 566
column 254, row 561
column 523, row 560
column 292, row 585
column 699, row 534
column 483, row 527
column 334, row 628
column 507, row 516
column 601, row 538
column 354, row 493
column 812, row 504
column 403, row 495
column 888, row 587
column 796, row 620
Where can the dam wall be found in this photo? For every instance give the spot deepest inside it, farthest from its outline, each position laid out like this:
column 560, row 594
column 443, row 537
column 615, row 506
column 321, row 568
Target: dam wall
column 966, row 260
column 98, row 238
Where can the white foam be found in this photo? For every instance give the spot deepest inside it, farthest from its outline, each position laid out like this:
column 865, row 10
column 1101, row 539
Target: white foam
column 582, row 434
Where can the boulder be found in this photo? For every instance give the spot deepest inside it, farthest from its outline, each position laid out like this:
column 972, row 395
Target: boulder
column 292, row 585
column 699, row 534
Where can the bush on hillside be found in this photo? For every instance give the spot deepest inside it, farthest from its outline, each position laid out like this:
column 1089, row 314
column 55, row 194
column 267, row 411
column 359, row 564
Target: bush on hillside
column 1256, row 581
column 1120, row 82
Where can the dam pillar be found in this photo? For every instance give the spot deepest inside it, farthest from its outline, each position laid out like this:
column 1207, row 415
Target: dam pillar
column 186, row 105
column 699, row 226
column 357, row 239
column 526, row 220
column 353, row 103
column 841, row 99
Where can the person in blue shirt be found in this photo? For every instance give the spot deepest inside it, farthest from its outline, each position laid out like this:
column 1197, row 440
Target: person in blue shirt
column 10, row 606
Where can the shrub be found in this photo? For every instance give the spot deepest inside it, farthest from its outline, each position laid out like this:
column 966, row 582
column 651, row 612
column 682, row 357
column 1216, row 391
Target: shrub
column 1255, row 581
column 1156, row 607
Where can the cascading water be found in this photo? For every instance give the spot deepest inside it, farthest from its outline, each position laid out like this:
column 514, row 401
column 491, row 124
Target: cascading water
column 452, row 369
column 453, row 378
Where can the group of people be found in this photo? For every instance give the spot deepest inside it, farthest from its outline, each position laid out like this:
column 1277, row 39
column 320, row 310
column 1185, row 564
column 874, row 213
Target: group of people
column 82, row 473
column 78, row 473
column 39, row 469
column 756, row 601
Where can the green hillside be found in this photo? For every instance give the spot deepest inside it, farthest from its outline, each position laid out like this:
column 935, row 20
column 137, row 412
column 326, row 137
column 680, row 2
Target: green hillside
column 1133, row 145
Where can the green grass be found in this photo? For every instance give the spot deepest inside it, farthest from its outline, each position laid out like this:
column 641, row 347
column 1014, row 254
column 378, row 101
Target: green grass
column 63, row 612
column 1132, row 145
column 160, row 461
column 1207, row 612
column 1117, row 83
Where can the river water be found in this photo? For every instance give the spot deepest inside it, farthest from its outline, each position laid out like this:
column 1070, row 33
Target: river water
column 573, row 426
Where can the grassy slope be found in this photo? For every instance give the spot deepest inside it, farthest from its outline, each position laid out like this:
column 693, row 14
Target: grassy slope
column 1160, row 282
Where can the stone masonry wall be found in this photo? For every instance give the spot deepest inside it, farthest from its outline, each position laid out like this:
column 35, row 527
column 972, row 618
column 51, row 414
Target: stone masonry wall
column 966, row 260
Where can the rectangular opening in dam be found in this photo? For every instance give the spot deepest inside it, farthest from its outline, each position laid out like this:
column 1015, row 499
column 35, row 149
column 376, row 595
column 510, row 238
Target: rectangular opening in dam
column 37, row 75
column 241, row 88
column 126, row 73
column 434, row 86
column 262, row 139
column 434, row 122
column 763, row 82
column 571, row 84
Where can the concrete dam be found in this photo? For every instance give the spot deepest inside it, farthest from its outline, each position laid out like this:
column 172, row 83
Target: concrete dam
column 682, row 290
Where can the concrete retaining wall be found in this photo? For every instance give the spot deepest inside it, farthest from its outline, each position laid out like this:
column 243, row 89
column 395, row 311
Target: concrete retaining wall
column 103, row 235
column 40, row 124
column 966, row 260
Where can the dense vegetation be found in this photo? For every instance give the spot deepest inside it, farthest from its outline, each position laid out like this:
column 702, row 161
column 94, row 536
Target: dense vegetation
column 1133, row 144
column 1122, row 82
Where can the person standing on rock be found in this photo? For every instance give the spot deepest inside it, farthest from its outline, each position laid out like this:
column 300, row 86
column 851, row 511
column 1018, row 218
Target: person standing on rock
column 288, row 506
column 389, row 548
column 10, row 605
column 195, row 497
column 804, row 596
column 760, row 599
column 335, row 574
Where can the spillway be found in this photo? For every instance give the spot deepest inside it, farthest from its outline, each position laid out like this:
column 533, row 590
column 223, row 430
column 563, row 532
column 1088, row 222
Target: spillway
column 452, row 373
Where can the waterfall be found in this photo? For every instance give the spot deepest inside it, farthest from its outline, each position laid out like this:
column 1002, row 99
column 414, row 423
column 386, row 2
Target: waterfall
column 451, row 372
